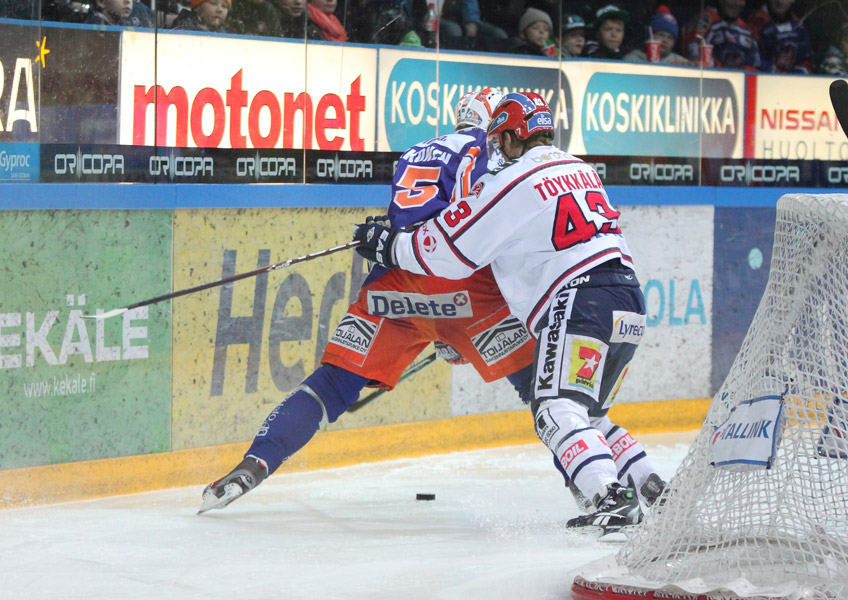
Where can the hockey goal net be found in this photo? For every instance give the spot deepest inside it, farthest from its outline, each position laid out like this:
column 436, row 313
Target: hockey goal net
column 735, row 524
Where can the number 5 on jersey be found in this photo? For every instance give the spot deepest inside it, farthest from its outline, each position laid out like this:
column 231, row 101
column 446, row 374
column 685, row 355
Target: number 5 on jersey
column 417, row 186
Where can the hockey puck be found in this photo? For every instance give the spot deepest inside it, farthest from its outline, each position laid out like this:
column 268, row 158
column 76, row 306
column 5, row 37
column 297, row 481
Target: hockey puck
column 425, row 496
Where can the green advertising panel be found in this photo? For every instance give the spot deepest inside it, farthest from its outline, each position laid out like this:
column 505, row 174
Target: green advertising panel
column 76, row 389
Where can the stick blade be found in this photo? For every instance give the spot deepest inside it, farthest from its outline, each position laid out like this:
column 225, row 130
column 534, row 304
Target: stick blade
column 106, row 315
column 839, row 100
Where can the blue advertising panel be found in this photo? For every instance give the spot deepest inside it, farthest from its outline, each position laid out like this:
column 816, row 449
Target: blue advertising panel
column 19, row 162
column 420, row 93
column 654, row 115
column 743, row 246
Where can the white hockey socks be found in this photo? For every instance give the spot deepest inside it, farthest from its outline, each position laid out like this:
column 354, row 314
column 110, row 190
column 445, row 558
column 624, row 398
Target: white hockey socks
column 563, row 426
column 631, row 461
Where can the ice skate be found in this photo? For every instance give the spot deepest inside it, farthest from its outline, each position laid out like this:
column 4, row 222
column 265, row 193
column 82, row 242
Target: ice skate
column 247, row 475
column 618, row 509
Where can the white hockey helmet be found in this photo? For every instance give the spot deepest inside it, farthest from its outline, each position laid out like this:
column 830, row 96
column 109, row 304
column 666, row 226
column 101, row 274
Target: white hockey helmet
column 474, row 109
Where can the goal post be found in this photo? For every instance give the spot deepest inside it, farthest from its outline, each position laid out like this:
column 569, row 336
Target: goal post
column 759, row 506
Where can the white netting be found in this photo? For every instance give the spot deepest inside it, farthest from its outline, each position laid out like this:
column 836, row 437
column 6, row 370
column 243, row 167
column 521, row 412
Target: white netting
column 787, row 525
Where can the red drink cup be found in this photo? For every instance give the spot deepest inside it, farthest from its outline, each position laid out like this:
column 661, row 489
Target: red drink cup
column 652, row 50
column 706, row 55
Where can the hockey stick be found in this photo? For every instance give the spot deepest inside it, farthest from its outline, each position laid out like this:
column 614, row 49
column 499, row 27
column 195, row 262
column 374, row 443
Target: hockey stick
column 839, row 100
column 226, row 280
column 409, row 372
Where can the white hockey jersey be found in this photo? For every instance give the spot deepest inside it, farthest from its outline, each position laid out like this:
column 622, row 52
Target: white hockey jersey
column 540, row 221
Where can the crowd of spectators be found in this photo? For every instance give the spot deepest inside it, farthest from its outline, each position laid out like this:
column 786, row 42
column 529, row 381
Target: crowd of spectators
column 776, row 36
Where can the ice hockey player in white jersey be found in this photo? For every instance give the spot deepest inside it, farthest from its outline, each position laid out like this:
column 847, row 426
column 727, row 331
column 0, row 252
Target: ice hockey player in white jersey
column 544, row 223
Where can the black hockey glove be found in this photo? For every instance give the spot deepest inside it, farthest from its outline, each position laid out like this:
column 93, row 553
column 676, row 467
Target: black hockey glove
column 378, row 241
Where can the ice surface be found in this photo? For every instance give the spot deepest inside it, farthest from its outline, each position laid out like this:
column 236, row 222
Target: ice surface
column 495, row 531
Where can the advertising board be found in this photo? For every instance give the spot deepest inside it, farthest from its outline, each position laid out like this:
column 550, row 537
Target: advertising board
column 245, row 93
column 672, row 248
column 20, row 83
column 71, row 388
column 419, row 90
column 241, row 349
column 58, row 85
column 790, row 118
column 743, row 248
column 647, row 110
column 19, row 162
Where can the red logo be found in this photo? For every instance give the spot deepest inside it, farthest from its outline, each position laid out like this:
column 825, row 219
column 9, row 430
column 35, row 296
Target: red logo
column 592, row 358
column 622, row 445
column 572, row 452
column 429, row 244
column 478, row 187
column 243, row 110
column 460, row 299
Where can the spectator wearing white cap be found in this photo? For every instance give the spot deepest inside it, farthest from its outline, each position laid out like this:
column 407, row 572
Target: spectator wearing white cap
column 534, row 34
column 610, row 23
column 662, row 28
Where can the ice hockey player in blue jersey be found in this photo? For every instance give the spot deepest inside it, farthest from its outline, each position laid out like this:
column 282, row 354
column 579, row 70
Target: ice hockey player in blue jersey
column 377, row 339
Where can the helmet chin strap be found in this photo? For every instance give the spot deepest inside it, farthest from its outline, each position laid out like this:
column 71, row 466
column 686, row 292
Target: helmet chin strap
column 512, row 144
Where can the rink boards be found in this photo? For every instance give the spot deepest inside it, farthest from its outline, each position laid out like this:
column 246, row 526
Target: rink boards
column 180, row 387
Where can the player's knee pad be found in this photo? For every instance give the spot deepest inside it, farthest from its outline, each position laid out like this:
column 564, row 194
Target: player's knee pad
column 602, row 424
column 563, row 426
column 334, row 388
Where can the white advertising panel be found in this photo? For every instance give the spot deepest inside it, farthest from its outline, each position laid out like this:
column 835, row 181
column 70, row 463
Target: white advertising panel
column 793, row 119
column 672, row 248
column 218, row 92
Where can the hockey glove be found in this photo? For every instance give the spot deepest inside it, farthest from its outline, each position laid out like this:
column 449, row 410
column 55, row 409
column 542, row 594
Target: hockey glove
column 378, row 241
column 449, row 354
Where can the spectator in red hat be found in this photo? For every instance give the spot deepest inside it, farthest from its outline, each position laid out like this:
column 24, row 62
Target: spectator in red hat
column 322, row 13
column 205, row 15
column 662, row 28
column 610, row 23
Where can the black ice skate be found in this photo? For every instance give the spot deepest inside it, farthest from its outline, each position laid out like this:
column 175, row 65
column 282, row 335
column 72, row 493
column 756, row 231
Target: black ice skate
column 618, row 509
column 247, row 475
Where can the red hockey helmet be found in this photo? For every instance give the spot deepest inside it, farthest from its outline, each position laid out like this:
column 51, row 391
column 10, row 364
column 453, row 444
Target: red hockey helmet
column 524, row 113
